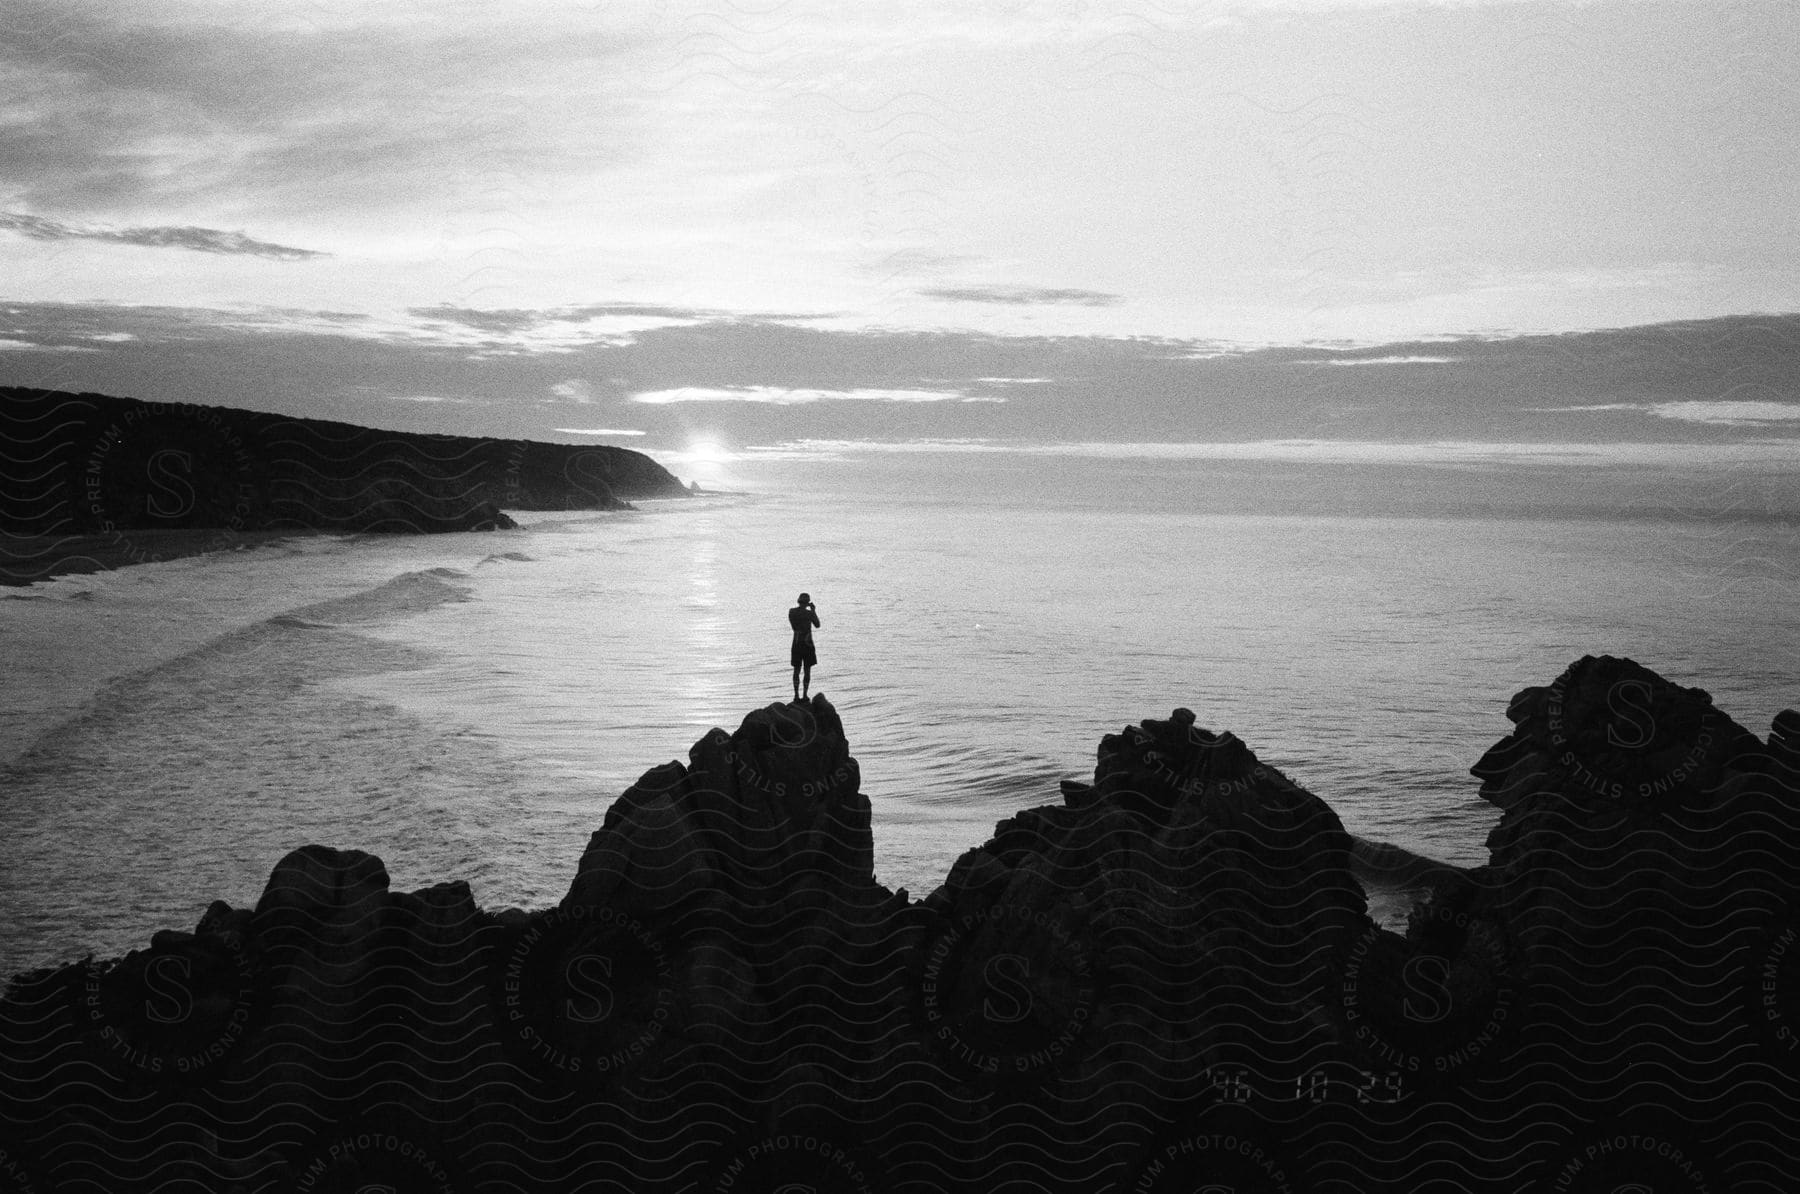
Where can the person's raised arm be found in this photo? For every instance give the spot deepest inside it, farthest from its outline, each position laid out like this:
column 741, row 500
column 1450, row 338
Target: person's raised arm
column 811, row 609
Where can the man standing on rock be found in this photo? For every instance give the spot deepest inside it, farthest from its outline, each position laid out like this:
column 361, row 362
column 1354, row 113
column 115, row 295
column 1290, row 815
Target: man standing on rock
column 803, row 617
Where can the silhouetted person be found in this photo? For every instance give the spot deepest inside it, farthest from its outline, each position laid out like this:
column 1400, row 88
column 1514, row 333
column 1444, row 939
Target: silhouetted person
column 803, row 617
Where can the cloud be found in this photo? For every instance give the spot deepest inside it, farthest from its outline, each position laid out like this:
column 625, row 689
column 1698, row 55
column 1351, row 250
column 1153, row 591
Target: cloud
column 784, row 396
column 1782, row 452
column 1023, row 296
column 574, row 390
column 510, row 320
column 283, row 108
column 1718, row 413
column 8, row 345
column 506, row 320
column 596, row 431
column 499, row 322
column 1557, row 410
column 513, row 331
column 767, row 382
column 201, row 240
column 1728, row 413
column 543, row 153
column 1389, row 361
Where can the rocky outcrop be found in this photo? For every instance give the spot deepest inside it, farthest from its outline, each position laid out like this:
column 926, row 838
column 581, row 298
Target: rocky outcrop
column 1166, row 980
column 90, row 463
column 1199, row 893
column 1644, row 875
column 761, row 817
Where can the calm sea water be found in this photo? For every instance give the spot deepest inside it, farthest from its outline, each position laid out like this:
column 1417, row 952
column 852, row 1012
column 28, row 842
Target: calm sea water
column 467, row 706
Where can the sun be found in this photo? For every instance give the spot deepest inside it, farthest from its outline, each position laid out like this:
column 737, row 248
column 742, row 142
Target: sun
column 705, row 460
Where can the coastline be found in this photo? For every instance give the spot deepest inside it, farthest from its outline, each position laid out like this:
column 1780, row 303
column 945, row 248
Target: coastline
column 27, row 559
column 99, row 499
column 75, row 632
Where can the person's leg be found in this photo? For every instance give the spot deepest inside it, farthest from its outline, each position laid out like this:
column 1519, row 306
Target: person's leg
column 806, row 681
column 797, row 681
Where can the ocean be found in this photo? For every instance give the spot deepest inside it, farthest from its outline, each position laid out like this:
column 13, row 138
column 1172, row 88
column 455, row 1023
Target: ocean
column 466, row 706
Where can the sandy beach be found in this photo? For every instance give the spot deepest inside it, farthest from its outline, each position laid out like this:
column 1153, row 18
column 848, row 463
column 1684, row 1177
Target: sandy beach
column 80, row 619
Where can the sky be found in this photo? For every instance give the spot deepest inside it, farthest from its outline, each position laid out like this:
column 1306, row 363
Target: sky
column 707, row 226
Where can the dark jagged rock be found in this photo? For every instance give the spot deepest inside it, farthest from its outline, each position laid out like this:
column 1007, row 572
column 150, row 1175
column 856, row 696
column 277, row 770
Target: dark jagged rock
column 1207, row 887
column 99, row 464
column 763, row 814
column 1167, row 981
column 1645, row 834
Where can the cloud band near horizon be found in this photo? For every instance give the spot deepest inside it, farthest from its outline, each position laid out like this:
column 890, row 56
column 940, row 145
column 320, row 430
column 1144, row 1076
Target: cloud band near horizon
column 744, row 380
column 199, row 240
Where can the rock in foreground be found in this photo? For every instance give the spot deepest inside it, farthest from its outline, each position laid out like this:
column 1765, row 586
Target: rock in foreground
column 1168, row 980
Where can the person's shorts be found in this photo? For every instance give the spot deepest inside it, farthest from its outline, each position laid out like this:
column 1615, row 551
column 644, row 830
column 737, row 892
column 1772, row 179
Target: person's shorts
column 803, row 653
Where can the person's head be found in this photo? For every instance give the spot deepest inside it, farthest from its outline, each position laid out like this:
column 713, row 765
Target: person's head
column 805, row 599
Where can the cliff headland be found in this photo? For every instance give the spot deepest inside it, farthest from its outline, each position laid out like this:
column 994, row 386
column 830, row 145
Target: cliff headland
column 91, row 481
column 1167, row 980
